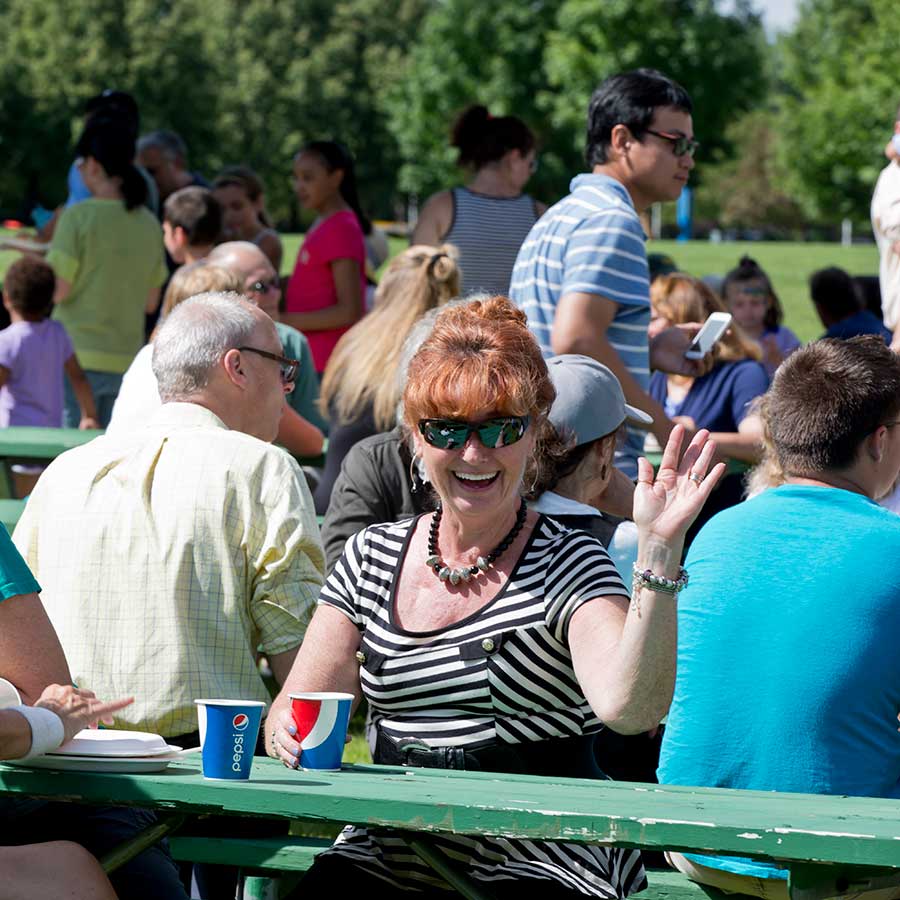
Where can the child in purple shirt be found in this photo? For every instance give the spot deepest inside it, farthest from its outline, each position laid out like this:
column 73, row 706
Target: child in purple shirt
column 35, row 350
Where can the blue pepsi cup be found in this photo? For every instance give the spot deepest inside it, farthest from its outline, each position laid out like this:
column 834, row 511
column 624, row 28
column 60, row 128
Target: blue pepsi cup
column 321, row 718
column 228, row 730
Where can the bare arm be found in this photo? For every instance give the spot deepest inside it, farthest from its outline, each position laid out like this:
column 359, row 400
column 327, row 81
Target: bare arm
column 745, row 443
column 580, row 326
column 30, row 653
column 326, row 662
column 298, row 436
column 4, row 375
column 434, row 220
column 624, row 655
column 152, row 302
column 346, row 311
column 281, row 664
column 83, row 394
column 62, row 290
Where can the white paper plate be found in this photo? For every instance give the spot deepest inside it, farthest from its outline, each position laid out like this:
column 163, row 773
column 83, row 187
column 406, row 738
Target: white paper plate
column 121, row 765
column 112, row 742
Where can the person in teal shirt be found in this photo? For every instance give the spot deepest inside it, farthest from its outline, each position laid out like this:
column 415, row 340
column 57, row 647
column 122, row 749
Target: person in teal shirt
column 32, row 661
column 788, row 674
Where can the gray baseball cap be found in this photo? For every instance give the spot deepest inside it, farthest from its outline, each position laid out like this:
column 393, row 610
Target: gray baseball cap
column 589, row 400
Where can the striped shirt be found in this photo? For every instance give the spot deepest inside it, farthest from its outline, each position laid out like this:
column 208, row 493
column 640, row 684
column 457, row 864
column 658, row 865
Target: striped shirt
column 504, row 673
column 488, row 232
column 591, row 242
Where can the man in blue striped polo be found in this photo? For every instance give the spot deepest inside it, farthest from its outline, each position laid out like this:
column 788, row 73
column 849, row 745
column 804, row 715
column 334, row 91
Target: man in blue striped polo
column 581, row 276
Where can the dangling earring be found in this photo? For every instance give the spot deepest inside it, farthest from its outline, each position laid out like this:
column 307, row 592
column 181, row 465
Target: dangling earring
column 414, row 488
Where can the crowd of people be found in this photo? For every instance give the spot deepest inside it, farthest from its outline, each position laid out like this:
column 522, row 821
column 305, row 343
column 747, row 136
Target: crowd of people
column 500, row 574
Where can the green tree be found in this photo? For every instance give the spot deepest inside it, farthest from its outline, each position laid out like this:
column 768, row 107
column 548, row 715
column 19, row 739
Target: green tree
column 470, row 52
column 241, row 81
column 718, row 57
column 746, row 191
column 542, row 60
column 838, row 98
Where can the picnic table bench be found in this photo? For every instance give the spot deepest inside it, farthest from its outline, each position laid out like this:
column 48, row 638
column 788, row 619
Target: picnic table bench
column 831, row 845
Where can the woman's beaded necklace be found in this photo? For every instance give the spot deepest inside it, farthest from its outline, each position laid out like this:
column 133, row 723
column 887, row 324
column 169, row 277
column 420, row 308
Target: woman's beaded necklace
column 482, row 564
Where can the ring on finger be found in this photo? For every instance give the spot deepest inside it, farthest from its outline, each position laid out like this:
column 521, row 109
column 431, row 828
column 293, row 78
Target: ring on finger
column 697, row 479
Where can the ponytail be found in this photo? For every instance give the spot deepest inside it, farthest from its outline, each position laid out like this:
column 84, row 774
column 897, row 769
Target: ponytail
column 134, row 188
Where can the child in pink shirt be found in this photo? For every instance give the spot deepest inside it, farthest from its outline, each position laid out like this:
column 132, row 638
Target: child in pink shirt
column 325, row 294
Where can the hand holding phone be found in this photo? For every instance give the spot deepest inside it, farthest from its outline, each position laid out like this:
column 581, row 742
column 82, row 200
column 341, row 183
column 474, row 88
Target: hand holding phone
column 712, row 331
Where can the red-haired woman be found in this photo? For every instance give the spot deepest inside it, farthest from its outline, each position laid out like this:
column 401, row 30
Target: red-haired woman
column 491, row 629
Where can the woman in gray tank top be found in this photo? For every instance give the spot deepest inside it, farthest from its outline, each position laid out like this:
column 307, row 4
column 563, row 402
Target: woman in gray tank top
column 489, row 218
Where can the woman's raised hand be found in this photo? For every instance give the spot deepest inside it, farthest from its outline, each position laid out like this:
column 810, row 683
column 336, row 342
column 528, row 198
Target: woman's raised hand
column 665, row 506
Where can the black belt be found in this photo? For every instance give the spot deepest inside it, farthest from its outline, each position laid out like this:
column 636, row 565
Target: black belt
column 573, row 757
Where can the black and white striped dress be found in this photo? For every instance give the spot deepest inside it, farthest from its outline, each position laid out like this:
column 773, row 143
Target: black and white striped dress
column 504, row 673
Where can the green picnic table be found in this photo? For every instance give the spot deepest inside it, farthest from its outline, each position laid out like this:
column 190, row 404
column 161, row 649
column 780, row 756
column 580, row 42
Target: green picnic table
column 36, row 445
column 832, row 845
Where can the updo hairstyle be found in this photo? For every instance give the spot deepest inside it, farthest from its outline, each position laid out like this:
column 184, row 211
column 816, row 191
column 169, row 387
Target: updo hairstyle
column 482, row 138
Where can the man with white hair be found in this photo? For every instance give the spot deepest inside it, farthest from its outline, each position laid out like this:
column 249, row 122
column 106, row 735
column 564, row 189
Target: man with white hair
column 262, row 285
column 170, row 554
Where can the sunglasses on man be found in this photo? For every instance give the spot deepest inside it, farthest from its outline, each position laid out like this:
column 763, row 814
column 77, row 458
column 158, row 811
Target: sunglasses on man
column 263, row 287
column 681, row 145
column 289, row 367
column 450, row 434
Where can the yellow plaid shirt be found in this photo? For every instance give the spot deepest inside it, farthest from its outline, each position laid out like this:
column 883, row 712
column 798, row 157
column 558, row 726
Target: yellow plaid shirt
column 167, row 556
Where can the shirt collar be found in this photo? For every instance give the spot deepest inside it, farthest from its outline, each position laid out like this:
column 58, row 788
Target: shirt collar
column 604, row 182
column 552, row 504
column 186, row 415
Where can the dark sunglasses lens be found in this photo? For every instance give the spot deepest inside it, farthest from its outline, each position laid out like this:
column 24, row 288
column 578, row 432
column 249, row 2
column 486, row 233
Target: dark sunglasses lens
column 501, row 432
column 444, row 435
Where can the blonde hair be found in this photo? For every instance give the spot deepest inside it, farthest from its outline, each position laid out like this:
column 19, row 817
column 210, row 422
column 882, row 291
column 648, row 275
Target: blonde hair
column 362, row 368
column 680, row 298
column 767, row 473
column 199, row 277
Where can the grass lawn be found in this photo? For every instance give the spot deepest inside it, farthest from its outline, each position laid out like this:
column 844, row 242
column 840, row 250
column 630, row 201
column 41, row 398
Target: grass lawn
column 789, row 265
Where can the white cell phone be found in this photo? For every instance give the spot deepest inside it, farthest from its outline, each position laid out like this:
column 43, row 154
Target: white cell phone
column 713, row 329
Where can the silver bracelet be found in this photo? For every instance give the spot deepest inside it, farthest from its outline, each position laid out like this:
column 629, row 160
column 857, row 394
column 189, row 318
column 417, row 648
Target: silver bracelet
column 47, row 731
column 644, row 578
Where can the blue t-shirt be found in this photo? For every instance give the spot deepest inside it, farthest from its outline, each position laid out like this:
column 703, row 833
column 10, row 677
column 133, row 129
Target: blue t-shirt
column 788, row 671
column 863, row 322
column 15, row 576
column 591, row 242
column 719, row 400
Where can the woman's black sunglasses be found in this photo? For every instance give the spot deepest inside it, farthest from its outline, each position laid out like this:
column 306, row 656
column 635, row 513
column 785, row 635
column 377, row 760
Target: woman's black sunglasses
column 450, row 434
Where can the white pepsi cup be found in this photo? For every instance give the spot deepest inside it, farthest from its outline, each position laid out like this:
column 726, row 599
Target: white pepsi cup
column 321, row 718
column 228, row 731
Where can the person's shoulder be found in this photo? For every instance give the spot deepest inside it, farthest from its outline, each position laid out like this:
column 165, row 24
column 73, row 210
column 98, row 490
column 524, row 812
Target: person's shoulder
column 292, row 340
column 749, row 370
column 385, row 537
column 14, row 332
column 558, row 542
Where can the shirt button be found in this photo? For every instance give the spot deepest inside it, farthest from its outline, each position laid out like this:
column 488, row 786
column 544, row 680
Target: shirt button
column 360, row 657
column 487, row 645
